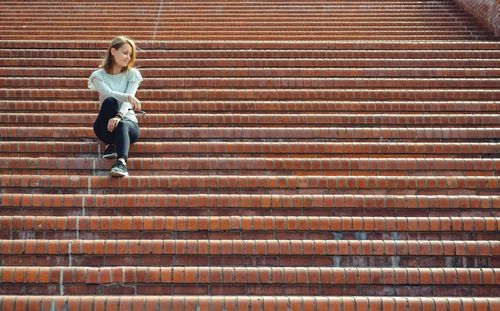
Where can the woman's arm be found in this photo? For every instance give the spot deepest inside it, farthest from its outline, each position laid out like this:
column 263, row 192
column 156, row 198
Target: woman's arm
column 134, row 102
column 104, row 89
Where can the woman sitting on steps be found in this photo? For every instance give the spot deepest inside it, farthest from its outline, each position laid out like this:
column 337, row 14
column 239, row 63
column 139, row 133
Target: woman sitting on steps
column 117, row 82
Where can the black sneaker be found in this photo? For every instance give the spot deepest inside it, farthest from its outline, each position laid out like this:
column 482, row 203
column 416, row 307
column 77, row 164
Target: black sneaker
column 118, row 170
column 109, row 153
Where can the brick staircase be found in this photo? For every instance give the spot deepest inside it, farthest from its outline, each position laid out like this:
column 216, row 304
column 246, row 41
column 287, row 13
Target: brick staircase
column 295, row 155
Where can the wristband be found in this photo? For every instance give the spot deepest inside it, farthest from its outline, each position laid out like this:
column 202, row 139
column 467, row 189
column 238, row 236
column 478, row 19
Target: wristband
column 119, row 115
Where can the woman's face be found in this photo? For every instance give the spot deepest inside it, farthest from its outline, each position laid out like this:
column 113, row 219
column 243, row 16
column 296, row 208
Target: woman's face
column 122, row 54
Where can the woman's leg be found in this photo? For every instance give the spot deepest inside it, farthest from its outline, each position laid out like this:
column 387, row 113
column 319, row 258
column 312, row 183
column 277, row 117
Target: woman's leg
column 109, row 109
column 126, row 133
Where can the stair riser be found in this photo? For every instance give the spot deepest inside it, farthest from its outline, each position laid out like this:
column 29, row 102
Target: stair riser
column 258, row 74
column 321, row 54
column 138, row 210
column 102, row 45
column 353, row 234
column 241, row 205
column 250, row 261
column 277, row 166
column 104, row 171
column 261, row 63
column 152, row 107
column 267, row 94
column 274, row 83
column 356, row 134
column 262, row 120
column 262, row 190
column 192, row 302
column 252, row 289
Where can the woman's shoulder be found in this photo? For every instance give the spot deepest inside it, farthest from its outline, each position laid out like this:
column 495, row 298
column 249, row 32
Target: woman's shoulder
column 97, row 73
column 95, row 76
column 134, row 75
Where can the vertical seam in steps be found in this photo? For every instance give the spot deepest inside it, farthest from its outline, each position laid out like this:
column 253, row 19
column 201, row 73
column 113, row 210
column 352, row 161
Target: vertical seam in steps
column 83, row 206
column 61, row 282
column 158, row 19
column 70, row 245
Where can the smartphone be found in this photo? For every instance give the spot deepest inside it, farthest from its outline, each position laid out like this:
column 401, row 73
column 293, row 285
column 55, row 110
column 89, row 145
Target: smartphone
column 138, row 111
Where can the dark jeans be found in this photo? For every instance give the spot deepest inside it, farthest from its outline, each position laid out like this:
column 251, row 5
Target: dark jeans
column 126, row 133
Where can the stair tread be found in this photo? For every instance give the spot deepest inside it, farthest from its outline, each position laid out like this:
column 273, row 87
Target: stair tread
column 252, row 247
column 159, row 302
column 250, row 223
column 155, row 106
column 247, row 200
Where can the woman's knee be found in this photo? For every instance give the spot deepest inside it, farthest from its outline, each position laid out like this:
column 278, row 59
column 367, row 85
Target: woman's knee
column 110, row 106
column 111, row 101
column 121, row 127
column 129, row 129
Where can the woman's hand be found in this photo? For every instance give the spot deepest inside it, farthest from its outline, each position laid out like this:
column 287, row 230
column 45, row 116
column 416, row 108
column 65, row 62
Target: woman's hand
column 136, row 104
column 113, row 123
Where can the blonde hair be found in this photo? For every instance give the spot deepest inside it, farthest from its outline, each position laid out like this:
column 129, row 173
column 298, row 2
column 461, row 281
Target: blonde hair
column 116, row 43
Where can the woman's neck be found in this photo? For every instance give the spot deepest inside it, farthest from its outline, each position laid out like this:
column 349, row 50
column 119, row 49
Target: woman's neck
column 115, row 70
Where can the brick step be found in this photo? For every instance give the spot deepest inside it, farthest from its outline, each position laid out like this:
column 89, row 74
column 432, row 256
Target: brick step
column 251, row 247
column 194, row 106
column 460, row 25
column 186, row 27
column 188, row 184
column 284, row 18
column 234, row 53
column 151, row 3
column 270, row 53
column 38, row 76
column 265, row 235
column 59, row 9
column 233, row 11
column 271, row 37
column 206, row 45
column 240, row 83
column 247, row 260
column 293, row 29
column 258, row 119
column 284, row 94
column 279, row 23
column 227, row 24
column 145, row 3
column 17, row 226
column 249, row 17
column 253, row 303
column 290, row 149
column 232, row 63
column 246, row 204
column 274, row 37
column 414, row 134
column 253, row 166
column 173, row 14
column 262, row 37
column 251, row 33
column 273, row 253
column 193, row 4
column 248, row 281
column 224, row 4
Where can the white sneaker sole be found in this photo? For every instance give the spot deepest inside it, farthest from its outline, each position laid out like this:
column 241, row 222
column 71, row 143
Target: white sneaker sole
column 118, row 174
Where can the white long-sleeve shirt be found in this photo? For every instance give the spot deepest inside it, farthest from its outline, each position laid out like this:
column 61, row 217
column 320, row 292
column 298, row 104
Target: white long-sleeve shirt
column 118, row 86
